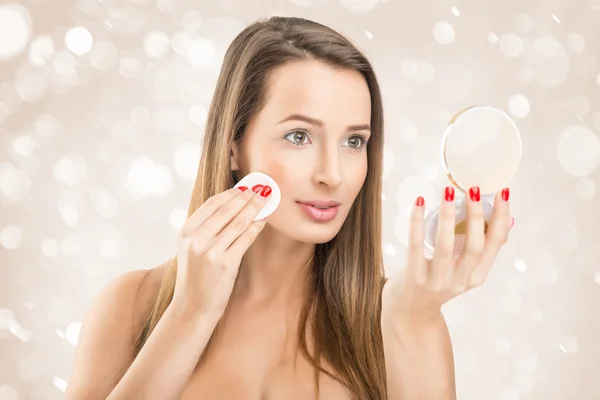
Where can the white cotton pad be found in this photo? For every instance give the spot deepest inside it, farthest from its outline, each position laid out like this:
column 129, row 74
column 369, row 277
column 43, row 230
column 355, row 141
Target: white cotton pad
column 258, row 178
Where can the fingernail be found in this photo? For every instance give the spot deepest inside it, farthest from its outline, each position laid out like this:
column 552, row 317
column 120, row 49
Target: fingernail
column 257, row 188
column 505, row 194
column 242, row 188
column 420, row 201
column 449, row 193
column 474, row 193
column 266, row 191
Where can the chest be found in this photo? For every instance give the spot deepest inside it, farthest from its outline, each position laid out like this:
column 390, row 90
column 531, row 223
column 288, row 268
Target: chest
column 257, row 358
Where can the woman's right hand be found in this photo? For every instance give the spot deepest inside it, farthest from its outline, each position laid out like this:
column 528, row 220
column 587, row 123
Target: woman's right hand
column 212, row 243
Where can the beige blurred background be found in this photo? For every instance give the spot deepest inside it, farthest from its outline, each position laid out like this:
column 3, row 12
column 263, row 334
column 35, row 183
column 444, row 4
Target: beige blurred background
column 102, row 109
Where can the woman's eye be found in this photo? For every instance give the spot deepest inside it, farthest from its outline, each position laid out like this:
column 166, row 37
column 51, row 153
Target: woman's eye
column 298, row 137
column 356, row 142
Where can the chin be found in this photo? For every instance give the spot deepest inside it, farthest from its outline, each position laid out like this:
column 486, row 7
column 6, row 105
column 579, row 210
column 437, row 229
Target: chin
column 315, row 236
column 311, row 236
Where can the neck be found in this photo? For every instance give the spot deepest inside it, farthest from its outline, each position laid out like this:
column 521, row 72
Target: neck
column 273, row 270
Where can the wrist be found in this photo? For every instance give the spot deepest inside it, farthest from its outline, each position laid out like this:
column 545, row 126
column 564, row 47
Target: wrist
column 412, row 321
column 193, row 316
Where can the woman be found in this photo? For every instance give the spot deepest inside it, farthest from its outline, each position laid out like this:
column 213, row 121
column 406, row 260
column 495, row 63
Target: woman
column 295, row 306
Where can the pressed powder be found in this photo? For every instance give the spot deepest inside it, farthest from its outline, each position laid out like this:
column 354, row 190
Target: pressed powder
column 461, row 227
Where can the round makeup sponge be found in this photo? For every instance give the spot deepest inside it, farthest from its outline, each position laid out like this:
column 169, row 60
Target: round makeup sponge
column 259, row 178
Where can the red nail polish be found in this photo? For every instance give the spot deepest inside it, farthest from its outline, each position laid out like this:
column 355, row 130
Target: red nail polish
column 257, row 188
column 242, row 188
column 266, row 191
column 505, row 194
column 449, row 193
column 474, row 193
column 420, row 201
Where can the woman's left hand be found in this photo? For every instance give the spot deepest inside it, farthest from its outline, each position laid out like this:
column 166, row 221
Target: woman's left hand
column 418, row 292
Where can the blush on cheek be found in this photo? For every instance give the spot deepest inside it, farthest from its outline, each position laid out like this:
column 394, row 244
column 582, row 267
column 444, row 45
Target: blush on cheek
column 263, row 160
column 287, row 173
column 278, row 172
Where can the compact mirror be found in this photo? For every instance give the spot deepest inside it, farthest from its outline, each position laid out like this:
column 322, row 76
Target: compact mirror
column 481, row 146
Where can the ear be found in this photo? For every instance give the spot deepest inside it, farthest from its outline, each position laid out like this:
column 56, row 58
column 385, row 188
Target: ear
column 233, row 157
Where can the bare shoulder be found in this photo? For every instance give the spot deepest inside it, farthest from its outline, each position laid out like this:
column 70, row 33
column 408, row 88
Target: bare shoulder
column 108, row 331
column 146, row 294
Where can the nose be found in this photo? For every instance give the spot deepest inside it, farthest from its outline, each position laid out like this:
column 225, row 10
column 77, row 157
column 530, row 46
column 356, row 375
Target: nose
column 328, row 170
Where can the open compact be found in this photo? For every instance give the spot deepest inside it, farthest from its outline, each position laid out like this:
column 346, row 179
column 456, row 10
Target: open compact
column 481, row 146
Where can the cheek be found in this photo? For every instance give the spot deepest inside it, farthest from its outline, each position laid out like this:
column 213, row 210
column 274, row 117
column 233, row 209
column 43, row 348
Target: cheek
column 364, row 171
column 276, row 164
column 359, row 174
column 257, row 156
column 285, row 174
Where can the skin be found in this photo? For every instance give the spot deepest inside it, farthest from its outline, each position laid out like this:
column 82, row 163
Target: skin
column 253, row 354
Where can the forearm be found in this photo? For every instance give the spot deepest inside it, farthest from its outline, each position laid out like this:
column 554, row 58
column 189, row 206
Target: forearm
column 419, row 359
column 168, row 358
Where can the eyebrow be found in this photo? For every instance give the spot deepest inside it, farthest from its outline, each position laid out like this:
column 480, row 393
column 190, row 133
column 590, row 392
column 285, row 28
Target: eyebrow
column 316, row 122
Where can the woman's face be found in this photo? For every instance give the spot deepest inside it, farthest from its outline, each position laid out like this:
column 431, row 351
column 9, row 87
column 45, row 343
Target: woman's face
column 311, row 139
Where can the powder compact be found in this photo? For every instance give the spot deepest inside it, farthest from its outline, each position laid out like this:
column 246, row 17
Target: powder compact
column 481, row 146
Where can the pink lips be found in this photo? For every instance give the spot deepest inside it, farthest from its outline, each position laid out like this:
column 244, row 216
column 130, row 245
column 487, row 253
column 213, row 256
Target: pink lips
column 316, row 210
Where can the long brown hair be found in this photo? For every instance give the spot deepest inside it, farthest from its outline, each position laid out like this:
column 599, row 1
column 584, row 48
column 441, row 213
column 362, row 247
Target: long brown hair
column 346, row 273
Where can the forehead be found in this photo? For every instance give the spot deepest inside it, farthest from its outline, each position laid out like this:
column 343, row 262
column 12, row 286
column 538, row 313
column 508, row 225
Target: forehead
column 333, row 95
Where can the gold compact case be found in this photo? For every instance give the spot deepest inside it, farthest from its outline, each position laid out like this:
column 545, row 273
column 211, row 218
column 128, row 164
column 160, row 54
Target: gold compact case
column 481, row 146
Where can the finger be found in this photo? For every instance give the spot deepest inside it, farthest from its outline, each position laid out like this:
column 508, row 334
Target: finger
column 239, row 247
column 444, row 240
column 242, row 220
column 459, row 245
column 475, row 237
column 208, row 208
column 497, row 234
column 416, row 236
column 226, row 214
column 205, row 235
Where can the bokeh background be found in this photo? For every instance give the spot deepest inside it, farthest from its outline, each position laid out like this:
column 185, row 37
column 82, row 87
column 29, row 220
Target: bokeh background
column 102, row 109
